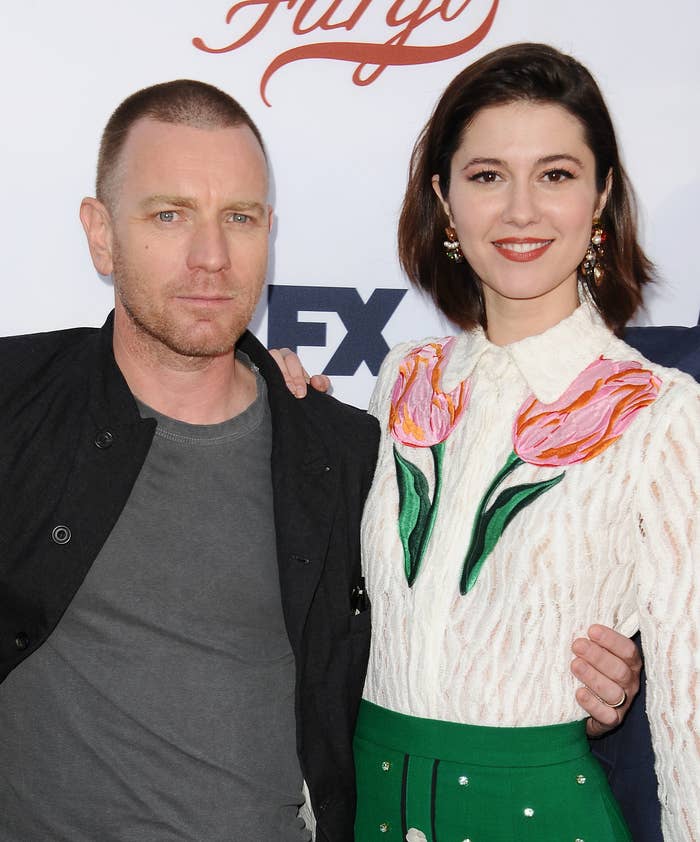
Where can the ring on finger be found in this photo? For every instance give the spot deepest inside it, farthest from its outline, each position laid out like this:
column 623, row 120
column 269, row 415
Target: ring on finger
column 617, row 704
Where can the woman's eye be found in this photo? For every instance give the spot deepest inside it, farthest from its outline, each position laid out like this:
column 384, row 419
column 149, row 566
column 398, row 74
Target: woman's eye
column 166, row 216
column 556, row 176
column 485, row 177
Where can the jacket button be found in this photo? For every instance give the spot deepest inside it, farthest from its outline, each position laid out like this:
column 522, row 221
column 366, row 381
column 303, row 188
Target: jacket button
column 21, row 640
column 104, row 439
column 60, row 534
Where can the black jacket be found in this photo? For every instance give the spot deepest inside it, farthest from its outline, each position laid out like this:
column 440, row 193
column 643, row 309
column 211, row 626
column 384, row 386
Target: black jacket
column 71, row 446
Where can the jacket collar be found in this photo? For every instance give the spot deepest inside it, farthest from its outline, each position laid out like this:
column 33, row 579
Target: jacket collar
column 111, row 401
column 111, row 398
column 288, row 419
column 548, row 362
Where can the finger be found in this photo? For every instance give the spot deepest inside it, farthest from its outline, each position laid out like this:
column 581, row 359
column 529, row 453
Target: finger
column 290, row 367
column 597, row 698
column 602, row 661
column 602, row 718
column 297, row 372
column 609, row 690
column 616, row 643
column 320, row 382
column 293, row 364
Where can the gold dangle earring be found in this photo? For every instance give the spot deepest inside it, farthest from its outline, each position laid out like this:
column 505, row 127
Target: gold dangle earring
column 591, row 266
column 452, row 248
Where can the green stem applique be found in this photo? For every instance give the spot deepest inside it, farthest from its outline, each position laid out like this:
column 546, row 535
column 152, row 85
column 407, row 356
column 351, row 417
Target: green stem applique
column 417, row 512
column 491, row 522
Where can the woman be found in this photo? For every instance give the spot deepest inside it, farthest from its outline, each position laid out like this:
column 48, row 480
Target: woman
column 535, row 473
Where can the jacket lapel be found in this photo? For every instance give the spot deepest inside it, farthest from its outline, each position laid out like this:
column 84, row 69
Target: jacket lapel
column 305, row 488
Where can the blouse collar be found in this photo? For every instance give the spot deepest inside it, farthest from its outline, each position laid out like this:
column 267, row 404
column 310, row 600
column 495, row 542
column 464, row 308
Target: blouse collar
column 549, row 362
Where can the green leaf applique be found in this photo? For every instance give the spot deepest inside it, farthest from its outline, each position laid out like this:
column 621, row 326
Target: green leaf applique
column 417, row 512
column 491, row 522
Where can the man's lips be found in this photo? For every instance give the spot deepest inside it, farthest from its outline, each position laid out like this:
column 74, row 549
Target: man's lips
column 205, row 299
column 522, row 249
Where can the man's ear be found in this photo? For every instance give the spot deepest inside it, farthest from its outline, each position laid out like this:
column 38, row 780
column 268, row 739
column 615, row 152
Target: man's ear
column 97, row 225
column 435, row 181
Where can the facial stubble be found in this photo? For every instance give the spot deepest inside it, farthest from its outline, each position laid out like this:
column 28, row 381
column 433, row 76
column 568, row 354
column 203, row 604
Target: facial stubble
column 166, row 332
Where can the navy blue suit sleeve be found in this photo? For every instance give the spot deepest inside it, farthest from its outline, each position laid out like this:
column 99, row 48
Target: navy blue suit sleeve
column 675, row 347
column 626, row 753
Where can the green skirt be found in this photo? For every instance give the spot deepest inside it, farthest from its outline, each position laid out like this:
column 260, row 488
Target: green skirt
column 446, row 782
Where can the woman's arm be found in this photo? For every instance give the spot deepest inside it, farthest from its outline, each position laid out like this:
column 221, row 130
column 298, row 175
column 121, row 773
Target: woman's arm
column 668, row 590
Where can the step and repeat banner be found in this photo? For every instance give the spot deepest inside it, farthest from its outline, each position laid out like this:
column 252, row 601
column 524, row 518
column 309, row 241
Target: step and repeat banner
column 340, row 90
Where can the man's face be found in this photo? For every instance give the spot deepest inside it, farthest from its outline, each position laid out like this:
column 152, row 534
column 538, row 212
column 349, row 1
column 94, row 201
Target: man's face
column 190, row 229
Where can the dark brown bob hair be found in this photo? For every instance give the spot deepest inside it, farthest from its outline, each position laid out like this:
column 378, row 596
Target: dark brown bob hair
column 182, row 101
column 518, row 73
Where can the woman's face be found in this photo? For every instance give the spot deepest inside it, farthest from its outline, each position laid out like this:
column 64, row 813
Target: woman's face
column 522, row 199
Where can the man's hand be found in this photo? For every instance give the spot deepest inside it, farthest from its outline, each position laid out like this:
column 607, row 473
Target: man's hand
column 608, row 665
column 295, row 376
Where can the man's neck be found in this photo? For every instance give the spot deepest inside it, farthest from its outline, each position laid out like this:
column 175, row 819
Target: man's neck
column 196, row 390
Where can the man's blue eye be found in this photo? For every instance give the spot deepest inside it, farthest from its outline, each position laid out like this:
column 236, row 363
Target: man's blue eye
column 166, row 216
column 240, row 217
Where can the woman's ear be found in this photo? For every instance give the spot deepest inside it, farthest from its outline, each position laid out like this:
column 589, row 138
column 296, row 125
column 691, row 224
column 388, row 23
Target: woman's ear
column 435, row 181
column 603, row 198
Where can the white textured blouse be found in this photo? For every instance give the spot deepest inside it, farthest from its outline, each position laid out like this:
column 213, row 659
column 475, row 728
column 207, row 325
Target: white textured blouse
column 527, row 491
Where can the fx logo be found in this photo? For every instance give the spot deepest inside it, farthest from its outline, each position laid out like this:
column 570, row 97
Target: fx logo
column 364, row 322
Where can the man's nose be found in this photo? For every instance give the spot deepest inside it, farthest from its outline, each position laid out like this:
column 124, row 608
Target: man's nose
column 209, row 248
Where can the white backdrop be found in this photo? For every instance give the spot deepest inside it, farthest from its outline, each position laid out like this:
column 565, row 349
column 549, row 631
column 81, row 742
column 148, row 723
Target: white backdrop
column 339, row 149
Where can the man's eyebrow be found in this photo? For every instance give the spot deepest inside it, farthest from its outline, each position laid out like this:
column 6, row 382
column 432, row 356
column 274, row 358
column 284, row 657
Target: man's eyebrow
column 166, row 199
column 185, row 202
column 242, row 205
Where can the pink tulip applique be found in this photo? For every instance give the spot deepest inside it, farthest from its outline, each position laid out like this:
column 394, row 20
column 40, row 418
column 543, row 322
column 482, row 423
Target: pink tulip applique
column 422, row 415
column 590, row 416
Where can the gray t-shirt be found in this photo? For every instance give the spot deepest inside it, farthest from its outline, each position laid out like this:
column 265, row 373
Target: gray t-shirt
column 162, row 706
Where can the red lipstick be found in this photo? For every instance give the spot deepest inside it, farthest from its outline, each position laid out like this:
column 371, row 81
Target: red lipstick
column 522, row 249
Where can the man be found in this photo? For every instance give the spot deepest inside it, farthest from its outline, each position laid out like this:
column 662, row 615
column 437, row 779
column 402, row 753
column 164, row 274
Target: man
column 183, row 630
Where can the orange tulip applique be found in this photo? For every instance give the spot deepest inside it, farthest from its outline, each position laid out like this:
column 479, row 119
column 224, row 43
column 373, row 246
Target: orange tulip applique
column 422, row 415
column 590, row 416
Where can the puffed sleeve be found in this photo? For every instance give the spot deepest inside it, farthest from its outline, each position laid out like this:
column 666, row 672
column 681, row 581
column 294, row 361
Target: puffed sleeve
column 667, row 550
column 381, row 394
